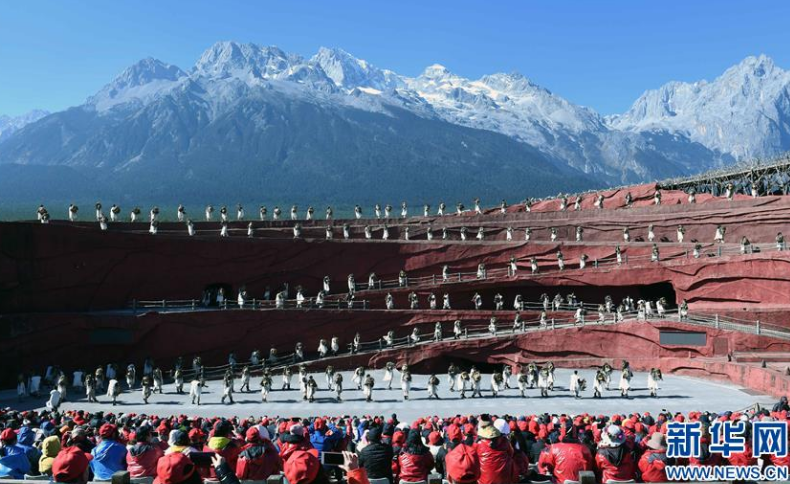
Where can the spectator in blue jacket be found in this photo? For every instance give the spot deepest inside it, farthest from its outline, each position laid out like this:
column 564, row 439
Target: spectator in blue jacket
column 26, row 439
column 109, row 456
column 324, row 438
column 13, row 459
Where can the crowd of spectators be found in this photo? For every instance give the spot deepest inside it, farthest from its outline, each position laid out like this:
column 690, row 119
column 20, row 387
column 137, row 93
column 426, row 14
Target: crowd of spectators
column 78, row 446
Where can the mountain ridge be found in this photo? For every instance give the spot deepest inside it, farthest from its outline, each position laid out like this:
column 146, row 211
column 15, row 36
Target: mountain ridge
column 154, row 114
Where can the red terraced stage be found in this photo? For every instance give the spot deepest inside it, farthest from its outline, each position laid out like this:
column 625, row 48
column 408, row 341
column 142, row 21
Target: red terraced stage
column 66, row 288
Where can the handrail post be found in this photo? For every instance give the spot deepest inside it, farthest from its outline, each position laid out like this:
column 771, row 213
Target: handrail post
column 758, row 326
column 595, row 263
column 134, row 306
column 459, row 277
column 717, row 321
column 433, row 279
column 552, row 323
column 193, row 305
column 164, row 303
column 719, row 251
column 466, row 333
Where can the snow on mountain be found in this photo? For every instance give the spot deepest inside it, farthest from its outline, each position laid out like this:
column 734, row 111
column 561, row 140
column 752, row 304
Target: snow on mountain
column 745, row 112
column 11, row 124
column 141, row 82
column 678, row 129
column 506, row 103
column 348, row 72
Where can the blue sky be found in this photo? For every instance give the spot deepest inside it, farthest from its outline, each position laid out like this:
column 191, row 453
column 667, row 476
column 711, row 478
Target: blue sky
column 602, row 54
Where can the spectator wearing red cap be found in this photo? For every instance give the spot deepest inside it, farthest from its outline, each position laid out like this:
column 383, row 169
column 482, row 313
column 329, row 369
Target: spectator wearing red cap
column 143, row 455
column 614, row 460
column 324, row 437
column 415, row 460
column 176, row 468
column 462, row 465
column 303, row 467
column 564, row 460
column 222, row 443
column 71, row 466
column 258, row 458
column 197, row 439
column 496, row 455
column 457, row 461
column 654, row 460
column 376, row 457
column 14, row 461
column 109, row 456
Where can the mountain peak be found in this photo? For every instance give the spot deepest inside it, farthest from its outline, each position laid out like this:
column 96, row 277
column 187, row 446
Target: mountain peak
column 435, row 71
column 233, row 59
column 753, row 66
column 145, row 71
column 141, row 80
column 349, row 72
column 11, row 124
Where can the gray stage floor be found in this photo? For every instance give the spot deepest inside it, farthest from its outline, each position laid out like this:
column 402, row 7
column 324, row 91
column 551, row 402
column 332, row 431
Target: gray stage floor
column 676, row 394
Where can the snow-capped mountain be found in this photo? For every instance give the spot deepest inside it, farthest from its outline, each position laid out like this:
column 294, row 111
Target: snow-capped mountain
column 140, row 83
column 278, row 120
column 745, row 112
column 348, row 72
column 10, row 124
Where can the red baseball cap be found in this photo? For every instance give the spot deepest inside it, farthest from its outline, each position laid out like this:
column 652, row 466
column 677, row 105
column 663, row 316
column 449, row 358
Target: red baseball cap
column 173, row 468
column 453, row 433
column 253, row 435
column 70, row 464
column 8, row 435
column 463, row 465
column 300, row 468
column 108, row 431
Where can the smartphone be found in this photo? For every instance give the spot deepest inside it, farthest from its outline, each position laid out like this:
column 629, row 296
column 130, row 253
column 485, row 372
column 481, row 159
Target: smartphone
column 202, row 459
column 332, row 458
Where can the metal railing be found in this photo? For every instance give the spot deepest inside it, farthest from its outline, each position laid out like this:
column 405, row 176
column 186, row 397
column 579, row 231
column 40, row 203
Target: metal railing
column 479, row 329
column 248, row 304
column 498, row 273
column 711, row 250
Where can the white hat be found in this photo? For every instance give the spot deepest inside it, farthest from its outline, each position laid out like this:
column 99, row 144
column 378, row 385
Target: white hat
column 263, row 431
column 502, row 426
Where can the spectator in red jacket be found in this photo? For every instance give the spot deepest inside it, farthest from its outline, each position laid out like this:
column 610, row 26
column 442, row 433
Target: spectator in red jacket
column 653, row 462
column 497, row 465
column 258, row 459
column 223, row 444
column 293, row 439
column 564, row 460
column 614, row 459
column 415, row 460
column 143, row 455
column 462, row 464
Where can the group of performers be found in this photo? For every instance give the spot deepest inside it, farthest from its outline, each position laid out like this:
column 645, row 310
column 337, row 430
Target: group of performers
column 468, row 383
column 387, row 211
